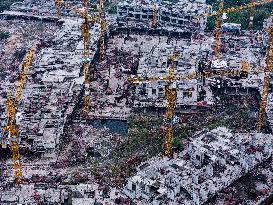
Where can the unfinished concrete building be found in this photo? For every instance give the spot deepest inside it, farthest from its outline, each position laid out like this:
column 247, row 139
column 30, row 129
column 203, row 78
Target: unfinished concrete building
column 156, row 64
column 182, row 15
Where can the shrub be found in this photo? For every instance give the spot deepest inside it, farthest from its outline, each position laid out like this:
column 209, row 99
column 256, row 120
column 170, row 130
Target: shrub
column 4, row 35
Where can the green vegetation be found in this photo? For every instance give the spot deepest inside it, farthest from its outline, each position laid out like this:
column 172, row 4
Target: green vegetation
column 242, row 17
column 112, row 9
column 218, row 123
column 5, row 4
column 177, row 143
column 19, row 54
column 145, row 140
column 146, row 136
column 244, row 114
column 4, row 35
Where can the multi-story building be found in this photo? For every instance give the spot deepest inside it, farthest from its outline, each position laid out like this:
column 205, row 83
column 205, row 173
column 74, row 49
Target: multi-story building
column 184, row 14
column 156, row 64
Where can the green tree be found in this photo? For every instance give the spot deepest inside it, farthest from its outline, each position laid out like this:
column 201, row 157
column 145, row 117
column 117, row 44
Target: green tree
column 5, row 4
column 211, row 23
column 4, row 35
column 177, row 143
column 112, row 10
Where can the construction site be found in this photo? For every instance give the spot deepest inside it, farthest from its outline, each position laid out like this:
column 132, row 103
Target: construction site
column 136, row 102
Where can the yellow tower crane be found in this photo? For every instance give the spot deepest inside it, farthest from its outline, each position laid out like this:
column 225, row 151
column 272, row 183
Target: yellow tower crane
column 266, row 87
column 11, row 127
column 239, row 8
column 171, row 95
column 251, row 18
column 103, row 24
column 222, row 11
column 86, row 55
column 86, row 41
column 217, row 48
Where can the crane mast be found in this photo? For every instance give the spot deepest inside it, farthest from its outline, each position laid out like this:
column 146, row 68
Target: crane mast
column 86, row 57
column 154, row 20
column 12, row 127
column 86, row 50
column 171, row 95
column 23, row 79
column 103, row 24
column 266, row 87
column 86, row 43
column 58, row 8
column 217, row 49
column 13, row 130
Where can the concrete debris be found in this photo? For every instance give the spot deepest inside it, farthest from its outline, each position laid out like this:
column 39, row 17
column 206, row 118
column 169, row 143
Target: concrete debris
column 211, row 162
column 110, row 154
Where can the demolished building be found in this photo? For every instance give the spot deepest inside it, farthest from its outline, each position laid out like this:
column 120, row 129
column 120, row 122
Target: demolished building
column 210, row 162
